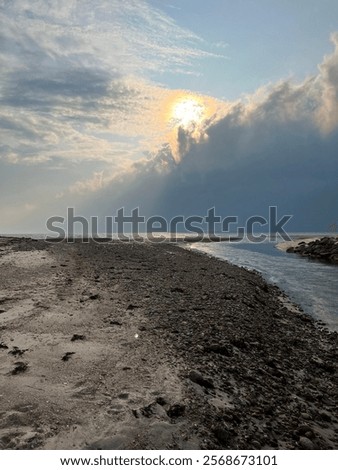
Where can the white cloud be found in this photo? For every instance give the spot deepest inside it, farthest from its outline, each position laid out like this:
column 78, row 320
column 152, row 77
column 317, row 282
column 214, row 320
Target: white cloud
column 328, row 84
column 71, row 75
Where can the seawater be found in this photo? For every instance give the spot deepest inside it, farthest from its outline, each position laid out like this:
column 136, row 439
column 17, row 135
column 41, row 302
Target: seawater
column 311, row 284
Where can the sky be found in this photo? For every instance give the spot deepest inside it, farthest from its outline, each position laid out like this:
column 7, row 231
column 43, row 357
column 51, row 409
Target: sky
column 170, row 106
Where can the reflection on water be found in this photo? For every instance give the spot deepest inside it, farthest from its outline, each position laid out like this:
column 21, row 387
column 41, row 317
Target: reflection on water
column 311, row 284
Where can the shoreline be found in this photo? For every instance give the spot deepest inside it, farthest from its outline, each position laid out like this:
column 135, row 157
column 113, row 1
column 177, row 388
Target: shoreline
column 139, row 346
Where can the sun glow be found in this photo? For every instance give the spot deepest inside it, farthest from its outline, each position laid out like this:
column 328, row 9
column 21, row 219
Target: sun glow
column 180, row 109
column 187, row 111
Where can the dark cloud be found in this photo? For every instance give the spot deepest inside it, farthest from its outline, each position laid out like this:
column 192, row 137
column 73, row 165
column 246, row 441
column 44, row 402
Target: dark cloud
column 272, row 152
column 64, row 88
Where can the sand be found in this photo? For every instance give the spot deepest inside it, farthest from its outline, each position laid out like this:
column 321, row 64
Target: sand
column 149, row 346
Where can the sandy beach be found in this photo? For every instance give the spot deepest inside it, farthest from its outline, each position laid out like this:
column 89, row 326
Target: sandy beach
column 150, row 346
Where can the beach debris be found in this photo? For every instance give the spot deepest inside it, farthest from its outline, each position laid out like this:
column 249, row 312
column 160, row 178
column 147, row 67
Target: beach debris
column 198, row 378
column 2, row 311
column 3, row 345
column 77, row 337
column 19, row 368
column 115, row 322
column 17, row 352
column 67, row 356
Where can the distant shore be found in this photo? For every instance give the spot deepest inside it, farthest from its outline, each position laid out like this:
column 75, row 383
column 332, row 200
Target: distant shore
column 141, row 345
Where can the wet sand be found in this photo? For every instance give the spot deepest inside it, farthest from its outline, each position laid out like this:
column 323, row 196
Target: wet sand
column 149, row 346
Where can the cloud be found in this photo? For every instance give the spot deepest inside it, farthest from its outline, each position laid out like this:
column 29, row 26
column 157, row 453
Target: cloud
column 328, row 81
column 74, row 74
column 47, row 91
column 81, row 122
column 277, row 147
column 128, row 36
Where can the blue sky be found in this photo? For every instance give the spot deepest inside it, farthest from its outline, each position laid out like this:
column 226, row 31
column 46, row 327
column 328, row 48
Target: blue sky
column 106, row 103
column 262, row 41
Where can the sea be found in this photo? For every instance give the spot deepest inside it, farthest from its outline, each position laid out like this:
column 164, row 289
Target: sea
column 313, row 285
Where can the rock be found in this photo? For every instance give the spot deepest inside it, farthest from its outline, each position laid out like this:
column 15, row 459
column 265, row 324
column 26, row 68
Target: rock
column 306, row 444
column 132, row 307
column 177, row 289
column 197, row 378
column 94, row 296
column 222, row 434
column 153, row 410
column 256, row 444
column 3, row 346
column 176, row 410
column 324, row 249
column 223, row 350
column 239, row 342
column 304, row 429
column 325, row 416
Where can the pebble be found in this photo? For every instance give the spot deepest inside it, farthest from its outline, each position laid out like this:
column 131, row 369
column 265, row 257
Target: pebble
column 198, row 378
column 306, row 444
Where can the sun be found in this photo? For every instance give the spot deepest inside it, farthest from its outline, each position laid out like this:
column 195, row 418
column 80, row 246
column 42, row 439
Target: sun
column 187, row 111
